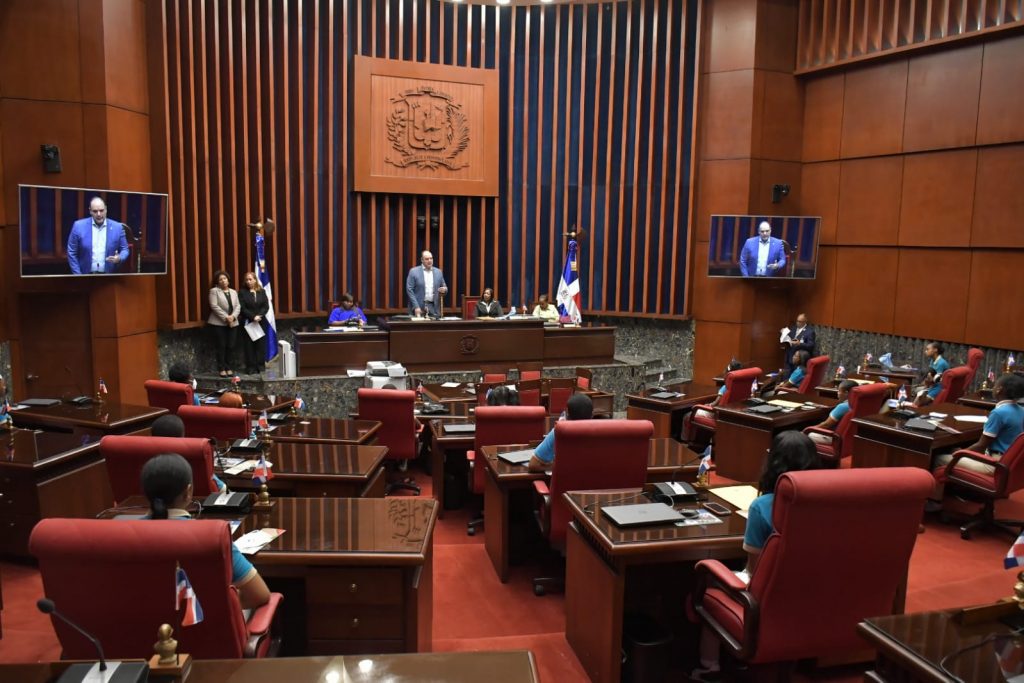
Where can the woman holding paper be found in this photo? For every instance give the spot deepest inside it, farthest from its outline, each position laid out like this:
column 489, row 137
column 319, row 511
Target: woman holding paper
column 167, row 483
column 254, row 309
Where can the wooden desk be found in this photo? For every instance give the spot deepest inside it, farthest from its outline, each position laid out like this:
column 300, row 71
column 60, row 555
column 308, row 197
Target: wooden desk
column 311, row 470
column 97, row 419
column 465, row 344
column 668, row 460
column 910, row 647
column 896, row 375
column 742, row 438
column 984, row 401
column 326, row 430
column 884, row 441
column 604, row 402
column 47, row 474
column 606, row 567
column 579, row 345
column 438, row 393
column 667, row 414
column 320, row 351
column 356, row 573
column 830, row 389
column 452, row 667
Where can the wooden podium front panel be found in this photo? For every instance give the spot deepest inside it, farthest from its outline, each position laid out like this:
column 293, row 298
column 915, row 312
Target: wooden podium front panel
column 465, row 344
column 579, row 346
column 333, row 353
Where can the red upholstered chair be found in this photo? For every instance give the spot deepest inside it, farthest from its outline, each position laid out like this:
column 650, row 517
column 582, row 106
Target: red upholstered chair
column 212, row 422
column 169, row 395
column 954, row 384
column 560, row 390
column 974, row 358
column 125, row 456
column 497, row 426
column 116, row 579
column 530, row 371
column 814, row 374
column 399, row 430
column 861, row 524
column 737, row 388
column 469, row 306
column 1006, row 477
column 584, row 378
column 589, row 455
column 864, row 399
column 494, row 373
column 529, row 392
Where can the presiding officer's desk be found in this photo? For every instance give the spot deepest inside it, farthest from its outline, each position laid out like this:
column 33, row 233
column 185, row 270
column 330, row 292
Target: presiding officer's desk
column 452, row 667
column 914, row 647
column 93, row 419
column 668, row 460
column 311, row 470
column 356, row 573
column 335, row 350
column 666, row 414
column 608, row 567
column 885, row 441
column 47, row 474
column 742, row 438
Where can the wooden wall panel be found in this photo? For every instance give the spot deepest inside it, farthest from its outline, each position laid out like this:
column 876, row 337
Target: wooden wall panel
column 874, row 101
column 724, row 188
column 718, row 344
column 817, row 298
column 1002, row 92
column 942, row 99
column 776, row 36
column 125, row 363
column 39, row 56
column 125, row 51
column 819, row 184
column 594, row 133
column 778, row 135
column 764, row 174
column 728, row 111
column 931, row 301
column 866, row 280
column 718, row 299
column 998, row 198
column 730, row 36
column 938, row 199
column 130, row 165
column 869, row 200
column 997, row 288
column 823, row 117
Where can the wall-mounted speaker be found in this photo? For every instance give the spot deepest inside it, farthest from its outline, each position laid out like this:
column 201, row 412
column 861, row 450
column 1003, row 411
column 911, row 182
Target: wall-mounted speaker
column 51, row 158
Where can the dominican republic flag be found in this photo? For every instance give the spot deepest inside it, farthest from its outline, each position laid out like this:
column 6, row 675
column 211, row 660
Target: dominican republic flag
column 299, row 404
column 1010, row 361
column 705, row 465
column 184, row 595
column 568, row 298
column 902, row 395
column 261, row 474
column 264, row 277
column 1015, row 556
column 103, row 386
column 991, row 376
column 263, row 422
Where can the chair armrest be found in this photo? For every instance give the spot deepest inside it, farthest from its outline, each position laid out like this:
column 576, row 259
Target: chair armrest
column 1001, row 474
column 704, row 406
column 722, row 576
column 543, row 511
column 471, row 460
column 837, row 441
column 719, row 576
column 262, row 619
column 541, row 487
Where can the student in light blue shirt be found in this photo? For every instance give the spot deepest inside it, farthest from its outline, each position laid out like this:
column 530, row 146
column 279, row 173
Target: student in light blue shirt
column 932, row 386
column 182, row 375
column 579, row 407
column 167, row 483
column 172, row 427
column 800, row 359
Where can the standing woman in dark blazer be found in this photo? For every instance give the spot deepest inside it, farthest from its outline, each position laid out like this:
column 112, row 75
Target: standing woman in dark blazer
column 254, row 309
column 223, row 320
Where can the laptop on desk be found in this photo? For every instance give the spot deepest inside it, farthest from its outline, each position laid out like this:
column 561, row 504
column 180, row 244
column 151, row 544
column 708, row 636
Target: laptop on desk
column 641, row 514
column 517, row 457
column 466, row 428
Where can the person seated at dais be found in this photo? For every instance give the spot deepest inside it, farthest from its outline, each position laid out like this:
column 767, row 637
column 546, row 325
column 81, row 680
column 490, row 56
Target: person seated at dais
column 545, row 310
column 346, row 313
column 488, row 306
column 579, row 407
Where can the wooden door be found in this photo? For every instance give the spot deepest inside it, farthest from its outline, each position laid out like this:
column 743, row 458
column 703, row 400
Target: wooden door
column 56, row 343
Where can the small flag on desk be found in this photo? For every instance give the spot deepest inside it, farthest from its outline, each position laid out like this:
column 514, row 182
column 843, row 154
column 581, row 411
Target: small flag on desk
column 261, row 474
column 185, row 596
column 868, row 357
column 753, row 386
column 705, row 463
column 841, row 370
column 103, row 386
column 991, row 376
column 1010, row 361
column 1015, row 556
column 901, row 396
column 263, row 422
column 299, row 404
column 236, row 380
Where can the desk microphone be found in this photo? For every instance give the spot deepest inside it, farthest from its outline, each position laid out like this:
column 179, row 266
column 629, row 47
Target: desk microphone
column 118, row 672
column 46, row 606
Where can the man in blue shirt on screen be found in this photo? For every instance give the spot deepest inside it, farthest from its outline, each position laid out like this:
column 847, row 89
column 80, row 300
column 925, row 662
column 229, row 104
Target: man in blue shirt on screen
column 764, row 255
column 97, row 244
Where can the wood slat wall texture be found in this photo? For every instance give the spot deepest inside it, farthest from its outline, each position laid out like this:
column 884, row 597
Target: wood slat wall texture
column 253, row 117
column 837, row 32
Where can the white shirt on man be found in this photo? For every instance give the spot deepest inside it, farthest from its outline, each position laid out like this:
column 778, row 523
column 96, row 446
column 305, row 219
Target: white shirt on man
column 99, row 247
column 762, row 256
column 428, row 285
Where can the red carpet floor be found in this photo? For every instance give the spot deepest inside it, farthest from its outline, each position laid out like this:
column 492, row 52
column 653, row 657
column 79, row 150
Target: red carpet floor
column 474, row 611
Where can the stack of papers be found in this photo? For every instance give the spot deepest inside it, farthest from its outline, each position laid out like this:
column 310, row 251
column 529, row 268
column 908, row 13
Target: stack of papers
column 243, row 466
column 450, row 385
column 254, row 541
column 738, row 496
column 979, row 419
column 784, row 404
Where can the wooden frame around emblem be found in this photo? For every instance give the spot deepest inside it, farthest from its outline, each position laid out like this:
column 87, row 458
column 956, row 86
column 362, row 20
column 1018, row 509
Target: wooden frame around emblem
column 389, row 137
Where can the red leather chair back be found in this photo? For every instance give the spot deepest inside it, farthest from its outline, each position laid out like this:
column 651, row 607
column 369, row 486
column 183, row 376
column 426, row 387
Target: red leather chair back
column 469, row 306
column 954, row 384
column 861, row 524
column 529, row 392
column 481, row 391
column 1013, row 459
column 500, row 425
column 595, row 454
column 814, row 374
column 213, row 422
column 530, row 371
column 125, row 456
column 116, row 579
column 394, row 410
column 169, row 395
column 864, row 399
column 559, row 392
column 738, row 384
column 974, row 358
column 584, row 378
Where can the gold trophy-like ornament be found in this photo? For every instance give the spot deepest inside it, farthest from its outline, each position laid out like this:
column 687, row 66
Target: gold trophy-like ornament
column 167, row 661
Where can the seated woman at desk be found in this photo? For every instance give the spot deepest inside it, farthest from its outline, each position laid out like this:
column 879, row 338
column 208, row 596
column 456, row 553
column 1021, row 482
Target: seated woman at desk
column 700, row 412
column 347, row 313
column 837, row 413
column 488, row 306
column 792, row 382
column 167, row 483
column 545, row 310
column 791, row 451
column 932, row 385
column 579, row 407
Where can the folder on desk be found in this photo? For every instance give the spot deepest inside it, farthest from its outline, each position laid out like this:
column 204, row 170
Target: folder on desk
column 517, row 457
column 666, row 394
column 465, row 428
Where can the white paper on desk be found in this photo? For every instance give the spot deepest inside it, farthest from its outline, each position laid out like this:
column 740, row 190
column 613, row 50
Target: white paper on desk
column 738, row 496
column 784, row 335
column 227, row 462
column 16, row 407
column 979, row 419
column 357, row 373
column 254, row 330
column 785, row 404
column 450, row 385
column 254, row 541
column 938, row 416
column 240, row 467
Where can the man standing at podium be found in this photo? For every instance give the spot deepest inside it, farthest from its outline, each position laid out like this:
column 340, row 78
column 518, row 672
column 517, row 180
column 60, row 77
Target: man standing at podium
column 764, row 255
column 425, row 286
column 96, row 244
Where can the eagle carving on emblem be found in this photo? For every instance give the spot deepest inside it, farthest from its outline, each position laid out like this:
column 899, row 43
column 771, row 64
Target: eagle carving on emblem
column 427, row 129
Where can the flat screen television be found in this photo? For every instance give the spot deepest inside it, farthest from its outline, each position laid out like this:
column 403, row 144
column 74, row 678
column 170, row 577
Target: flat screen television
column 736, row 248
column 57, row 230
